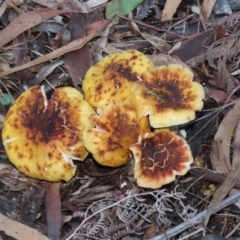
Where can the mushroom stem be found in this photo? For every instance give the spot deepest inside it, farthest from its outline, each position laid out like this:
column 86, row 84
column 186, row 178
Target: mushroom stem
column 53, row 210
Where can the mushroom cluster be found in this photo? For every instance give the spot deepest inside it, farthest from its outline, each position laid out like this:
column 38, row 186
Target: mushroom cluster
column 125, row 95
column 128, row 91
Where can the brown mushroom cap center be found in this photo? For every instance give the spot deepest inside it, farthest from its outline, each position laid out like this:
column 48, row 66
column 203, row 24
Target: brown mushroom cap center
column 161, row 154
column 170, row 91
column 45, row 125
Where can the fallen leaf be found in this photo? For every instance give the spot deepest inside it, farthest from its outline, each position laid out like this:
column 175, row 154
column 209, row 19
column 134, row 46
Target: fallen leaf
column 90, row 28
column 69, row 6
column 224, row 48
column 220, row 151
column 45, row 71
column 226, row 76
column 157, row 42
column 207, row 8
column 230, row 181
column 3, row 7
column 218, row 95
column 18, row 230
column 163, row 59
column 56, row 53
column 79, row 61
column 170, row 8
column 194, row 46
column 25, row 22
column 20, row 53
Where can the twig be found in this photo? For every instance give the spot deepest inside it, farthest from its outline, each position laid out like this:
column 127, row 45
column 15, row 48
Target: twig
column 201, row 16
column 233, row 231
column 196, row 219
column 74, row 45
column 150, row 26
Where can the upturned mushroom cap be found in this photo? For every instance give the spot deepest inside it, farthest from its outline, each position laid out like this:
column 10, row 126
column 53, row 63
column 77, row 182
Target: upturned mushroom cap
column 159, row 157
column 117, row 128
column 42, row 137
column 111, row 78
column 168, row 95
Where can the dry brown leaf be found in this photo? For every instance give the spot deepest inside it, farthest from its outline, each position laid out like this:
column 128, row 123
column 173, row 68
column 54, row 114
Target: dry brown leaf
column 74, row 45
column 25, row 22
column 163, row 59
column 20, row 53
column 226, row 76
column 225, row 48
column 222, row 192
column 53, row 210
column 169, row 9
column 220, row 157
column 218, row 95
column 207, row 7
column 70, row 6
column 220, row 152
column 79, row 61
column 3, row 8
column 231, row 179
column 157, row 42
column 18, row 230
column 193, row 46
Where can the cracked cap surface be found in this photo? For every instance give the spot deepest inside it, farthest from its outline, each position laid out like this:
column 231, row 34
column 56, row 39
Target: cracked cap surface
column 159, row 157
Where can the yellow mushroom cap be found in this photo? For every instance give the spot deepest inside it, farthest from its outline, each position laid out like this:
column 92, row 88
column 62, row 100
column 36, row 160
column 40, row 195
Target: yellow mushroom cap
column 117, row 128
column 110, row 79
column 168, row 95
column 159, row 157
column 42, row 137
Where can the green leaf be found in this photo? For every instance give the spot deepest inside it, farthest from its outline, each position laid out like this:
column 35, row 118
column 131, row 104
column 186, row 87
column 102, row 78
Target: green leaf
column 117, row 8
column 5, row 99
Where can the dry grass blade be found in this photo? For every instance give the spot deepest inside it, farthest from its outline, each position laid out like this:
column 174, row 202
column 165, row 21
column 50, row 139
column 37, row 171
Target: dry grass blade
column 74, row 45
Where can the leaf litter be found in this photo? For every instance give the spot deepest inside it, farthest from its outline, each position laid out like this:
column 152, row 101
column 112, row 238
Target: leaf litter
column 54, row 44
